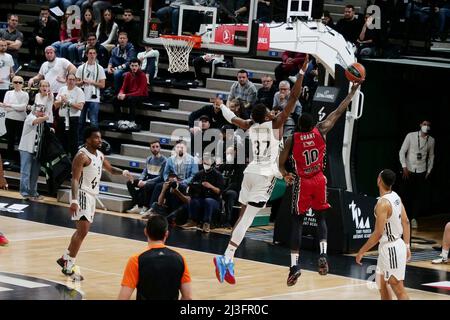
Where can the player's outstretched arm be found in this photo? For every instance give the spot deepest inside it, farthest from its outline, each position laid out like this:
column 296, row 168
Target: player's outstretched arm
column 293, row 98
column 328, row 124
column 116, row 171
column 382, row 211
column 234, row 119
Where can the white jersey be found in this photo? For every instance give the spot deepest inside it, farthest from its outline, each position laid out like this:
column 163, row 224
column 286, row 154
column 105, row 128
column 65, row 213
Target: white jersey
column 91, row 174
column 393, row 229
column 265, row 150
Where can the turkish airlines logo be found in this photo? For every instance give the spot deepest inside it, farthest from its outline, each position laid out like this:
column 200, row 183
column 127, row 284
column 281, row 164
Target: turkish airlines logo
column 226, row 36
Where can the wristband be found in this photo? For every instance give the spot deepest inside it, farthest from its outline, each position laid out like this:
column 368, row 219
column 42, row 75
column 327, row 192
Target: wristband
column 74, row 201
column 125, row 173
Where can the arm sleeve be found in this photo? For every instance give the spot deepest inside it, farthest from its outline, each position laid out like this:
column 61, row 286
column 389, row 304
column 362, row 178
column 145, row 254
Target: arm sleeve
column 131, row 273
column 430, row 156
column 403, row 150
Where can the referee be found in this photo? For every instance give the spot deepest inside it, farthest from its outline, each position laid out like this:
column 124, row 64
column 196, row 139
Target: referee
column 158, row 273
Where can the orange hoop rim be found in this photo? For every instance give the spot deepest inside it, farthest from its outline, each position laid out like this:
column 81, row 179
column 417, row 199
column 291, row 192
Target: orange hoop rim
column 197, row 40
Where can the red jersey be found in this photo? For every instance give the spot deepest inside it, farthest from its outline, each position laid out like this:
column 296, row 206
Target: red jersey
column 308, row 152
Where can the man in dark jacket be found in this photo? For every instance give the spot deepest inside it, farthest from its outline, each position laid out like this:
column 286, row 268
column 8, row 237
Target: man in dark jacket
column 45, row 32
column 213, row 112
column 119, row 63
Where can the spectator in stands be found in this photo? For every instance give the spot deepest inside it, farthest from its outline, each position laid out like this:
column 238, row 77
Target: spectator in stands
column 266, row 92
column 13, row 37
column 230, row 136
column 417, row 159
column 29, row 165
column 45, row 32
column 63, row 4
column 149, row 62
column 172, row 12
column 199, row 141
column 102, row 53
column 349, row 26
column 107, row 30
column 445, row 246
column 69, row 33
column 88, row 26
column 91, row 79
column 213, row 112
column 141, row 189
column 233, row 173
column 119, row 63
column 70, row 101
column 134, row 91
column 44, row 100
column 131, row 27
column 289, row 66
column 244, row 90
column 281, row 98
column 208, row 59
column 241, row 14
column 327, row 19
column 181, row 164
column 15, row 104
column 97, row 6
column 367, row 40
column 443, row 17
column 54, row 70
column 159, row 273
column 205, row 190
column 6, row 69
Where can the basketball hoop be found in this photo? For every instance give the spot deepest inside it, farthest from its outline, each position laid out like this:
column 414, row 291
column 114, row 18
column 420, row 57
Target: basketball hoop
column 178, row 49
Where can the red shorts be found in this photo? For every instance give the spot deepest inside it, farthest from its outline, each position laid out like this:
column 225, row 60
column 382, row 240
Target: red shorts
column 311, row 193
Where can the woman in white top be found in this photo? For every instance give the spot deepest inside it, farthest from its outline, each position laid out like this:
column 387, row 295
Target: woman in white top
column 44, row 98
column 107, row 30
column 15, row 104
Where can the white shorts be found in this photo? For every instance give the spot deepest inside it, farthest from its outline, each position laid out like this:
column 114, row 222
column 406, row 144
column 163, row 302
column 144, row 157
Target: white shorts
column 86, row 206
column 392, row 260
column 256, row 188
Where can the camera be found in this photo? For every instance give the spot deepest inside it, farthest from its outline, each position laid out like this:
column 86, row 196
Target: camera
column 173, row 185
column 94, row 96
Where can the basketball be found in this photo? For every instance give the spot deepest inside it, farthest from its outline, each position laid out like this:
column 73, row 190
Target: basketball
column 355, row 72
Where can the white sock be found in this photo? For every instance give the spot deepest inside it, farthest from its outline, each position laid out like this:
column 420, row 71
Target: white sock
column 294, row 259
column 323, row 247
column 229, row 253
column 444, row 254
column 66, row 255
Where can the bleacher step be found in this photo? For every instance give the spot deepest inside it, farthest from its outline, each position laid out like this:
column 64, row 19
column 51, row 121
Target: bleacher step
column 252, row 64
column 166, row 128
column 191, row 105
column 112, row 203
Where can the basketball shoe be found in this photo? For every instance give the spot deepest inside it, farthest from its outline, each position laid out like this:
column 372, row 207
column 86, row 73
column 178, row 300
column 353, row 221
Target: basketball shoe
column 229, row 275
column 323, row 265
column 3, row 240
column 294, row 273
column 221, row 267
column 69, row 268
column 440, row 261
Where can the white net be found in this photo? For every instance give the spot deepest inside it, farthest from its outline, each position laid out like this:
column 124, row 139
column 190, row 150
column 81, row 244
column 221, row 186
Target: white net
column 178, row 51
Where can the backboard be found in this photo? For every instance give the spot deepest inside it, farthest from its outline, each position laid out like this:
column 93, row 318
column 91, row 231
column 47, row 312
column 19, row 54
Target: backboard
column 223, row 25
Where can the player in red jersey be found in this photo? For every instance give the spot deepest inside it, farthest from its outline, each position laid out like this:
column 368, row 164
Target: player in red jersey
column 307, row 148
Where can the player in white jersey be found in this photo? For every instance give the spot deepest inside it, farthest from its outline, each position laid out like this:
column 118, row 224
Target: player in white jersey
column 260, row 174
column 393, row 252
column 86, row 173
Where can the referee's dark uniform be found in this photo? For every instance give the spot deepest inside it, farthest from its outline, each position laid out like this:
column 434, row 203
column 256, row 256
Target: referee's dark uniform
column 157, row 273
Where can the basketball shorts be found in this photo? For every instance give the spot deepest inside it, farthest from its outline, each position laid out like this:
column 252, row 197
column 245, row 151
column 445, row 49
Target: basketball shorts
column 311, row 193
column 392, row 260
column 86, row 206
column 256, row 188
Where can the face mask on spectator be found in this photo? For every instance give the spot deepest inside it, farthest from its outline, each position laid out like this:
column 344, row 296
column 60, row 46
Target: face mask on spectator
column 206, row 166
column 425, row 129
column 230, row 158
